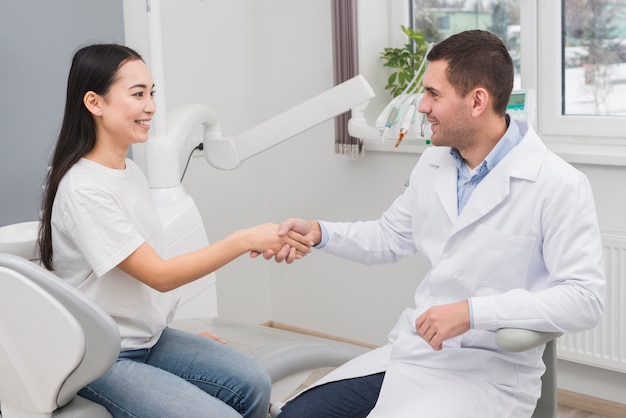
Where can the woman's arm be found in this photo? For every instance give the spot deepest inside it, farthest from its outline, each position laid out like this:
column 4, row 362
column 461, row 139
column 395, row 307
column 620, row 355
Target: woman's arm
column 147, row 266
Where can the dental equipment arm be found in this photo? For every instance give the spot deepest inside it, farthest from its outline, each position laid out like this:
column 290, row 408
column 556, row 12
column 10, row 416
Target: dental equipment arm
column 170, row 143
column 228, row 153
column 166, row 153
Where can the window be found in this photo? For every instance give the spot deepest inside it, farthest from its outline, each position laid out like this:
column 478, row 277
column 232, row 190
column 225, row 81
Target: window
column 443, row 22
column 581, row 75
column 572, row 53
column 594, row 57
column 438, row 19
column 591, row 66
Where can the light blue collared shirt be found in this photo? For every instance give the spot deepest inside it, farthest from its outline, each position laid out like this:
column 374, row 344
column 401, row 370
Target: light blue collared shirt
column 466, row 182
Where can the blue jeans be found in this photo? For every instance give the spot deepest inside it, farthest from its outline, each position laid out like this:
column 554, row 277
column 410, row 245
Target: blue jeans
column 349, row 398
column 184, row 375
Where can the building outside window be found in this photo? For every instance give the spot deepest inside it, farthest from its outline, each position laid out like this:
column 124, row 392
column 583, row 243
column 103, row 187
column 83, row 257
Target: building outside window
column 593, row 44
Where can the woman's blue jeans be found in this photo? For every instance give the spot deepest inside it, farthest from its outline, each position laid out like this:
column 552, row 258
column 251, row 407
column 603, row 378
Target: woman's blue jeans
column 184, row 375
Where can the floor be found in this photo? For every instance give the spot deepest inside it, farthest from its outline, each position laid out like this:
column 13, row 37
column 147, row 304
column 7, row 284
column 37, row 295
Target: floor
column 567, row 412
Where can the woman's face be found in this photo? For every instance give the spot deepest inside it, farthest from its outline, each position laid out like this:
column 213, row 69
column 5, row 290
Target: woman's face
column 128, row 106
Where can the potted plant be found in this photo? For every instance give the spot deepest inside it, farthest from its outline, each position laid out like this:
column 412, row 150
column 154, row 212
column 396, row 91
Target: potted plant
column 405, row 62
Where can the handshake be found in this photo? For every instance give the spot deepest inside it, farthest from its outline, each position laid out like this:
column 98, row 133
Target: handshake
column 295, row 239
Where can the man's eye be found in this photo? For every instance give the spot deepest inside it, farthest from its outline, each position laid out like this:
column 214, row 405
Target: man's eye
column 153, row 93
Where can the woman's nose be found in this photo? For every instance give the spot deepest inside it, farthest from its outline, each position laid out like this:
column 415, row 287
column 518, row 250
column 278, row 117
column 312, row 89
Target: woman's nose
column 150, row 106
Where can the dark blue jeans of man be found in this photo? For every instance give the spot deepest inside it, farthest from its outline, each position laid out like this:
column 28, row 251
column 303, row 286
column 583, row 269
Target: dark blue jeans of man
column 349, row 398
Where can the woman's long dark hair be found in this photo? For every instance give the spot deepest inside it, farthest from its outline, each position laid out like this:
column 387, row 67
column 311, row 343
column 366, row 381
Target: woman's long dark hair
column 94, row 68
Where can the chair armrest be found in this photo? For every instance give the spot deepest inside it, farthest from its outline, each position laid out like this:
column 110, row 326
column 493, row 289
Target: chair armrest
column 520, row 339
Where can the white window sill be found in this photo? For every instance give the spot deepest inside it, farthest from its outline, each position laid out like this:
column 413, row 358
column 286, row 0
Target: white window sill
column 608, row 155
column 593, row 153
column 406, row 147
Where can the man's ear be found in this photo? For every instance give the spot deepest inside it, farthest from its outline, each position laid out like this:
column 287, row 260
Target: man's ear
column 93, row 103
column 480, row 100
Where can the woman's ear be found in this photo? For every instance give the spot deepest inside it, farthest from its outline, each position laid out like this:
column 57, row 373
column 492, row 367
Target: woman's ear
column 93, row 103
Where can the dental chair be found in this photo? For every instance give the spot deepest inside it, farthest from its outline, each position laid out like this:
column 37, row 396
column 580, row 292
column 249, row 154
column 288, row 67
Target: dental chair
column 516, row 340
column 509, row 339
column 54, row 340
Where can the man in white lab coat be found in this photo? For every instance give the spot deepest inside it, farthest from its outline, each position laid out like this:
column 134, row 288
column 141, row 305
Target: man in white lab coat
column 512, row 238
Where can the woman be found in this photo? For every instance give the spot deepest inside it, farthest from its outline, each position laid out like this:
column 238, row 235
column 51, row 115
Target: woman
column 101, row 233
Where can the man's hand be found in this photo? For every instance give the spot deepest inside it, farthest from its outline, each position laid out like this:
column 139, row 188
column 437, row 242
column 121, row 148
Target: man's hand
column 442, row 322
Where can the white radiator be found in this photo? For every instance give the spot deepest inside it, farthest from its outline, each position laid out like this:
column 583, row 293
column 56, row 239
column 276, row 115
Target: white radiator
column 605, row 345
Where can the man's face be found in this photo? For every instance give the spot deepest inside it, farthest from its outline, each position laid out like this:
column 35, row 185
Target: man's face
column 448, row 113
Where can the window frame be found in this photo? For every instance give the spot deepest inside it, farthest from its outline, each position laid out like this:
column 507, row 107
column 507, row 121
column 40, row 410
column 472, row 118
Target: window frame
column 582, row 139
column 594, row 140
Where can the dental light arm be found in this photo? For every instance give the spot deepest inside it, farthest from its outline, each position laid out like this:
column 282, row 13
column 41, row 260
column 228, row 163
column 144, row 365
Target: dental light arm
column 228, row 153
column 167, row 153
column 171, row 140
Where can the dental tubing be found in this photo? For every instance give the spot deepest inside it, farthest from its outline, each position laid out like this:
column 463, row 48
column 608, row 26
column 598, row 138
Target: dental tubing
column 410, row 114
column 407, row 121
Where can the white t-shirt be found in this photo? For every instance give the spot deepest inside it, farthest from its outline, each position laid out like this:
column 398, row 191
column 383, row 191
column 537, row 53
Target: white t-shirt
column 99, row 217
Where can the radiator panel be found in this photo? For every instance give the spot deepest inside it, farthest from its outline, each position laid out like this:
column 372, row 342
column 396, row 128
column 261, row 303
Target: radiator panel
column 605, row 345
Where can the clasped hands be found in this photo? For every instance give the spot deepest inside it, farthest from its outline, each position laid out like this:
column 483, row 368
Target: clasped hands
column 305, row 232
column 435, row 325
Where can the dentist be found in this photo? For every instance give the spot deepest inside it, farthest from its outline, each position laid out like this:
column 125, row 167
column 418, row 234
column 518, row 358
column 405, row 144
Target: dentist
column 512, row 239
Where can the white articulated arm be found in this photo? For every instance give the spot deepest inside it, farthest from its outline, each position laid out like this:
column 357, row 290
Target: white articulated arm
column 170, row 146
column 166, row 154
column 228, row 153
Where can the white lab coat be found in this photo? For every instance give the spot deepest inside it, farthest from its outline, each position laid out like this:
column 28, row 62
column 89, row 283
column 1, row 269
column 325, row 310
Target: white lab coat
column 525, row 250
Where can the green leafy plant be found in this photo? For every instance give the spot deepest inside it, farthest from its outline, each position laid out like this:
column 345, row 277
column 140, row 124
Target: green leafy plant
column 404, row 62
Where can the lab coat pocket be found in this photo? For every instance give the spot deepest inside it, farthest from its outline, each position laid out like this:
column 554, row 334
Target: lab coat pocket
column 494, row 259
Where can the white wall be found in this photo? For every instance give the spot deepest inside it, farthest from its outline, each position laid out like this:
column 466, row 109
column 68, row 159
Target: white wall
column 251, row 60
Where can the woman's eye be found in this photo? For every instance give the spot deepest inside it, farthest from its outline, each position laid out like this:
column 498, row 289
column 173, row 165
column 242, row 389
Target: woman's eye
column 153, row 93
